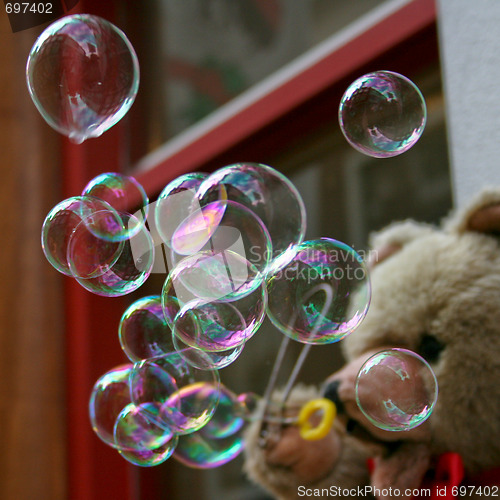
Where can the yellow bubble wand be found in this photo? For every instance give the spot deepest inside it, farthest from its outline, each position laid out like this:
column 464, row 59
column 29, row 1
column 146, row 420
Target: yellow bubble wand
column 308, row 431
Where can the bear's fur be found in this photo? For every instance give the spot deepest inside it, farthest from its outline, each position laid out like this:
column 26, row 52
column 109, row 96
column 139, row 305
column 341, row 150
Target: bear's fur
column 435, row 291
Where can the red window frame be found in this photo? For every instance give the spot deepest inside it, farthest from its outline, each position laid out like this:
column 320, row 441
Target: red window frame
column 404, row 40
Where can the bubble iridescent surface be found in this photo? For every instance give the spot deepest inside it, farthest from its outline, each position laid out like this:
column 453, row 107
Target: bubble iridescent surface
column 83, row 75
column 122, row 192
column 267, row 193
column 320, row 293
column 220, row 227
column 219, row 326
column 89, row 255
column 130, row 270
column 175, row 203
column 382, row 114
column 223, row 276
column 209, row 360
column 204, row 308
column 396, row 390
column 173, row 393
column 219, row 441
column 141, row 441
column 110, row 394
column 62, row 220
column 143, row 331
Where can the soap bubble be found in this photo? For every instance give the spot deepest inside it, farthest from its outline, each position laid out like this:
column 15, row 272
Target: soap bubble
column 110, row 394
column 61, row 222
column 210, row 360
column 83, row 75
column 90, row 256
column 224, row 276
column 218, row 442
column 396, row 390
column 173, row 393
column 220, row 326
column 382, row 114
column 175, row 203
column 131, row 269
column 122, row 192
column 140, row 441
column 215, row 318
column 320, row 293
column 267, row 193
column 248, row 405
column 143, row 331
column 220, row 227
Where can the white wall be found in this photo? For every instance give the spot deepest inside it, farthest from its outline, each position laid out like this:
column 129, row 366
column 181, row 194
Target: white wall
column 470, row 51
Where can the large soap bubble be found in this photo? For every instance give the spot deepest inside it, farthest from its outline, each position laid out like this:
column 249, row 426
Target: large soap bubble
column 265, row 191
column 396, row 390
column 320, row 292
column 382, row 114
column 83, row 75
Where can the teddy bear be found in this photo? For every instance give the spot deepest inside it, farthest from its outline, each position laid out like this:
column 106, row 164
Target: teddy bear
column 436, row 292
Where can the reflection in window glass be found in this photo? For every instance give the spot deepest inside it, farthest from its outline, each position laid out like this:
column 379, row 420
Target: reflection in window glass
column 215, row 49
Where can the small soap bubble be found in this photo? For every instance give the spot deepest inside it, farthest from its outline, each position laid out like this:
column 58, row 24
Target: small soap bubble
column 219, row 441
column 109, row 396
column 143, row 331
column 61, row 222
column 140, row 441
column 130, row 270
column 123, row 193
column 396, row 390
column 267, row 193
column 83, row 75
column 382, row 114
column 174, row 394
column 320, row 292
column 176, row 203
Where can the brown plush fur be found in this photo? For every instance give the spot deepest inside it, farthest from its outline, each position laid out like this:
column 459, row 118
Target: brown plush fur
column 428, row 282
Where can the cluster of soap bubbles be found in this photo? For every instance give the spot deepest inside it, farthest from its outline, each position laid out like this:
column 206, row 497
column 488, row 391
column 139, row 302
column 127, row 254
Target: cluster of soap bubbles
column 235, row 250
column 83, row 75
column 93, row 239
column 233, row 245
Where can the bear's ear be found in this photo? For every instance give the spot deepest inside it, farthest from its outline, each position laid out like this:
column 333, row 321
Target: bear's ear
column 393, row 238
column 482, row 215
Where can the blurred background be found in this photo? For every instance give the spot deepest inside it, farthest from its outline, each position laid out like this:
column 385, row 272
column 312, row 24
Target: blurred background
column 222, row 81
